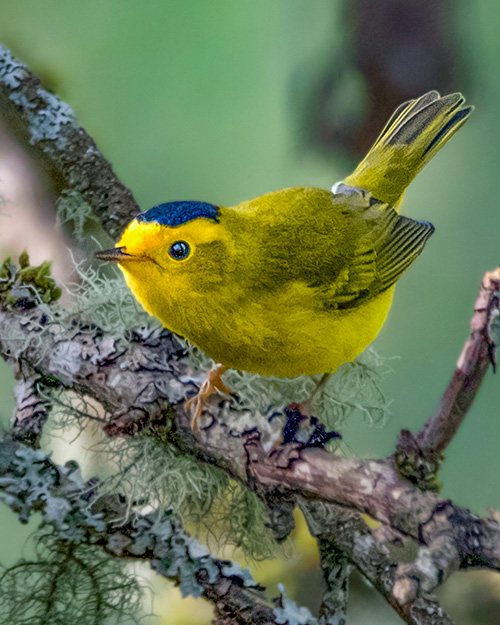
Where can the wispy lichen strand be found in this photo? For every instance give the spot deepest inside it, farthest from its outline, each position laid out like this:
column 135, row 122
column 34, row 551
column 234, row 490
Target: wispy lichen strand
column 69, row 584
column 30, row 481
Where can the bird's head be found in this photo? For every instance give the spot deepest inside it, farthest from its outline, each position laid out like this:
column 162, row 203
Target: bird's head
column 172, row 252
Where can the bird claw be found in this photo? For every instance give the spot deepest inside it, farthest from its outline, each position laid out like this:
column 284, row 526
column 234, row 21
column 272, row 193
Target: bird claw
column 211, row 385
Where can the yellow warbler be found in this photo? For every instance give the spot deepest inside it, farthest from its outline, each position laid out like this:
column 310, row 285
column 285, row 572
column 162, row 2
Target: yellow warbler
column 300, row 280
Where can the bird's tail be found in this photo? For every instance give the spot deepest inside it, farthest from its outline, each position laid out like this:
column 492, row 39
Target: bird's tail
column 417, row 130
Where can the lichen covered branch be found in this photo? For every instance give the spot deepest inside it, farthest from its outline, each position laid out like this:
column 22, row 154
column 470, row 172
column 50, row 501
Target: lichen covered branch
column 418, row 456
column 477, row 354
column 31, row 482
column 66, row 150
column 141, row 379
column 368, row 551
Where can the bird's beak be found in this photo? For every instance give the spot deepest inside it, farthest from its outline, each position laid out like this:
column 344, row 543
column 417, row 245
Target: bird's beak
column 114, row 255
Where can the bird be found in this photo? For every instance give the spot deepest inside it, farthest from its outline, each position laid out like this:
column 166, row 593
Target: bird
column 297, row 281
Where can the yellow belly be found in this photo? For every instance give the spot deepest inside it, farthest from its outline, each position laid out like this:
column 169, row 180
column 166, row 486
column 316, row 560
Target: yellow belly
column 283, row 334
column 288, row 338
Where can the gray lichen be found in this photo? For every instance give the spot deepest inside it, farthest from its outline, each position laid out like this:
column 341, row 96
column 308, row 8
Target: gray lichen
column 30, row 482
column 12, row 72
column 81, row 517
column 46, row 113
column 53, row 129
column 289, row 612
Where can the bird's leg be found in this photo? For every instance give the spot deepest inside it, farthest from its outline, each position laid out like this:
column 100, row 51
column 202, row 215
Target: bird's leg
column 321, row 385
column 305, row 407
column 212, row 384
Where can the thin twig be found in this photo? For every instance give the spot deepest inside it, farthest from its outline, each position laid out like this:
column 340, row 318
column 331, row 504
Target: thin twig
column 477, row 355
column 419, row 456
column 143, row 382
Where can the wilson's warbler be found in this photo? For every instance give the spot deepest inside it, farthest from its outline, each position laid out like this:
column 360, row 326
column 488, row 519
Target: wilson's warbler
column 297, row 281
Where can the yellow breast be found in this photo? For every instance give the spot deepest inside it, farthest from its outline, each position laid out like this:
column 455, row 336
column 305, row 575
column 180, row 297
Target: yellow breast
column 283, row 335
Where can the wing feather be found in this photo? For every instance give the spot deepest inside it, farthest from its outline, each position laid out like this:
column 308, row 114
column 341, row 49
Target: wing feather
column 390, row 244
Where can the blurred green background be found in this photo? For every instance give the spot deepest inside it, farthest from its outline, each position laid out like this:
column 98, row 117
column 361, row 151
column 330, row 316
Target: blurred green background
column 222, row 101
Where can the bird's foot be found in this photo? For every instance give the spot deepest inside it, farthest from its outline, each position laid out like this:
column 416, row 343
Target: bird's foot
column 212, row 384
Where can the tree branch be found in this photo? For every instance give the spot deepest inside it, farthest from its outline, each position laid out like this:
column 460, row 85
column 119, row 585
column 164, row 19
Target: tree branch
column 142, row 376
column 419, row 456
column 346, row 530
column 142, row 379
column 477, row 354
column 70, row 155
column 32, row 482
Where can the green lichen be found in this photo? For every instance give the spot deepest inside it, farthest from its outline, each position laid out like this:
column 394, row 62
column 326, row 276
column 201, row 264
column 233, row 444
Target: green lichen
column 74, row 211
column 68, row 584
column 203, row 496
column 105, row 300
column 354, row 390
column 25, row 286
column 149, row 471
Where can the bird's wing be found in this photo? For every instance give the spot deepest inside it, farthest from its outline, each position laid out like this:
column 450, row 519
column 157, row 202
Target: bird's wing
column 380, row 256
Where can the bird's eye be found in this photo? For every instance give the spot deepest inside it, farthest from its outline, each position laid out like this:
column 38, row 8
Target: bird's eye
column 179, row 250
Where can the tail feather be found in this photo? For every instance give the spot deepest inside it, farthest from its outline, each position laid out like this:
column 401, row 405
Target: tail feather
column 416, row 131
column 404, row 111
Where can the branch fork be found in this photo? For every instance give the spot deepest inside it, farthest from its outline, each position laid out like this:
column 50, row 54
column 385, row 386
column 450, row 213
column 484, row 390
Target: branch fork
column 400, row 492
